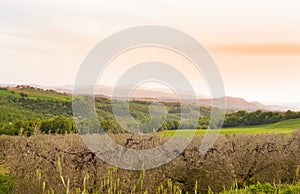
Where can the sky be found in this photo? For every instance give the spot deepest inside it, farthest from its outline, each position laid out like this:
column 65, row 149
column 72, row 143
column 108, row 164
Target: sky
column 255, row 44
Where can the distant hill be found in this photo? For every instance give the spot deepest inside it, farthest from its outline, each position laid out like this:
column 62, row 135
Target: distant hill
column 163, row 95
column 240, row 104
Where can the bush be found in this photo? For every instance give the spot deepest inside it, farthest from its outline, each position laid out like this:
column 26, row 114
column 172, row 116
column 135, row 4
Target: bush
column 23, row 95
column 27, row 127
column 60, row 125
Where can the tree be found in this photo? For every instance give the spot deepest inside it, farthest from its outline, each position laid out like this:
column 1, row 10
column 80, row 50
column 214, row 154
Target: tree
column 290, row 115
column 23, row 95
column 27, row 127
column 60, row 125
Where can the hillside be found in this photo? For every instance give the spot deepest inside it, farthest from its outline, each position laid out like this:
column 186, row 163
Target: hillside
column 30, row 109
column 234, row 104
column 158, row 94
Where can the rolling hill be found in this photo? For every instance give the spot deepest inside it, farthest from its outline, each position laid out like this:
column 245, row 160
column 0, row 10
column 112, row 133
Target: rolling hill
column 37, row 107
column 162, row 95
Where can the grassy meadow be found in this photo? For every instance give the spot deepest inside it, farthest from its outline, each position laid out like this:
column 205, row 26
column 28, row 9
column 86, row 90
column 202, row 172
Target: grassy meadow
column 284, row 127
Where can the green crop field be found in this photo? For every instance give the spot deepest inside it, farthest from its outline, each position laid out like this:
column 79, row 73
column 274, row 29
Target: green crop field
column 285, row 127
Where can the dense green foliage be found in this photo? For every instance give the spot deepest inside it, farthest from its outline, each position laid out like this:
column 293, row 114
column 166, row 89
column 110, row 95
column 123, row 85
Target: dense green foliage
column 243, row 118
column 27, row 110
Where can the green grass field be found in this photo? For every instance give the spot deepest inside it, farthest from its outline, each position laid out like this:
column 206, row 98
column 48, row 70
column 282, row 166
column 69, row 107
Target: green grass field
column 36, row 94
column 285, row 127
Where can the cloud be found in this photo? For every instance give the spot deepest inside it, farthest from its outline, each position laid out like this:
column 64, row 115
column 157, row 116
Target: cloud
column 259, row 49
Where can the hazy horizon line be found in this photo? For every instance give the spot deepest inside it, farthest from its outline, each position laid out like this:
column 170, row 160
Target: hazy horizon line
column 206, row 96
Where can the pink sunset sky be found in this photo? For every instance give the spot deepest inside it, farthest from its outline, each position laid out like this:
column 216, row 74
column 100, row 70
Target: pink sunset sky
column 255, row 44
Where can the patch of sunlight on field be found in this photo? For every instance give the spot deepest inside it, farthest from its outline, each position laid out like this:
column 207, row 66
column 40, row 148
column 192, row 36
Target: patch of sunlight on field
column 3, row 169
column 285, row 127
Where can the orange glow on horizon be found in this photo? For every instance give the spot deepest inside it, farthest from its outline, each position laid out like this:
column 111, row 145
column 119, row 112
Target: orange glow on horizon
column 259, row 49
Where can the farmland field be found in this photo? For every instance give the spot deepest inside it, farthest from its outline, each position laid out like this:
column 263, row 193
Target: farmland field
column 286, row 127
